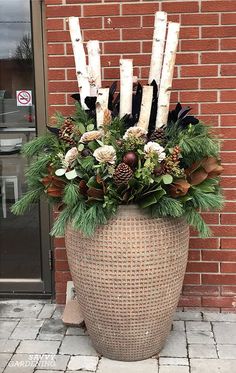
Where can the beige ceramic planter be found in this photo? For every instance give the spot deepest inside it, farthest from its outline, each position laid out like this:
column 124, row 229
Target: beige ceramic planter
column 128, row 279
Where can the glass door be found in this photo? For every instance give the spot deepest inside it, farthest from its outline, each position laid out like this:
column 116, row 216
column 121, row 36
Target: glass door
column 24, row 243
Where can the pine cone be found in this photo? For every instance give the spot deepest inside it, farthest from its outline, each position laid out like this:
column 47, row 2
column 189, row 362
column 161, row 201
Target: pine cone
column 122, row 174
column 107, row 117
column 158, row 134
column 66, row 131
column 175, row 154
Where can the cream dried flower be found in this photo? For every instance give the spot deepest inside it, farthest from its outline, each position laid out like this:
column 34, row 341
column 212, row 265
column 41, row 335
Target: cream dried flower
column 152, row 147
column 71, row 155
column 90, row 136
column 105, row 154
column 134, row 132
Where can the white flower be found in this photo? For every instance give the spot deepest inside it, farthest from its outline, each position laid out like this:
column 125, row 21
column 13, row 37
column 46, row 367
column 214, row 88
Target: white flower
column 105, row 154
column 71, row 155
column 134, row 132
column 153, row 147
column 90, row 136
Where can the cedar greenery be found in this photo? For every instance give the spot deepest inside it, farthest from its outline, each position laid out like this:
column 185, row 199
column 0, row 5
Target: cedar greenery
column 177, row 175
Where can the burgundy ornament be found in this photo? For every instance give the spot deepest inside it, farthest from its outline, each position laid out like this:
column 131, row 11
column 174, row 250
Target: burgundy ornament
column 131, row 159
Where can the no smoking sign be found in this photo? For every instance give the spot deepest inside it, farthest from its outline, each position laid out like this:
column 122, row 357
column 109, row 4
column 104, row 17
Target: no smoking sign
column 24, row 98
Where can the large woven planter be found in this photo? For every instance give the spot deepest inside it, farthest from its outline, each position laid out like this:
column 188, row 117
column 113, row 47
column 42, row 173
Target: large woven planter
column 128, row 279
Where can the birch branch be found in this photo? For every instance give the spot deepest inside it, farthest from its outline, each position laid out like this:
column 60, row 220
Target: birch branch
column 126, row 86
column 94, row 66
column 158, row 44
column 146, row 106
column 80, row 59
column 101, row 105
column 167, row 74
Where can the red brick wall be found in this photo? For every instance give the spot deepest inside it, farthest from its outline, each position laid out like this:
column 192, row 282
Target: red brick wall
column 204, row 78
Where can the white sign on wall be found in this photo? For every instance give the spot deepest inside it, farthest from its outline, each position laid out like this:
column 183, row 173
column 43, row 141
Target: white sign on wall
column 24, row 98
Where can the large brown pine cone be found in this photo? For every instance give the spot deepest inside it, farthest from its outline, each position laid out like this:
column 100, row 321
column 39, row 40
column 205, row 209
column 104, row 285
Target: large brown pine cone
column 122, row 174
column 158, row 134
column 66, row 131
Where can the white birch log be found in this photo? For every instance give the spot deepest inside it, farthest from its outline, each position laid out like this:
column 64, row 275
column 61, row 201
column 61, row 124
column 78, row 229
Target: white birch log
column 167, row 74
column 80, row 59
column 94, row 69
column 101, row 105
column 158, row 44
column 146, row 106
column 126, row 86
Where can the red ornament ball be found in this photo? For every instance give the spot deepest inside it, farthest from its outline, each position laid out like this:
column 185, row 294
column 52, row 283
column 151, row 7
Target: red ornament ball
column 131, row 159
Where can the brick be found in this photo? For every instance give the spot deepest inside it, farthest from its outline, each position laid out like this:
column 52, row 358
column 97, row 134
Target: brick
column 63, row 86
column 114, row 73
column 60, row 287
column 56, row 99
column 101, row 10
column 211, row 218
column 187, row 84
column 192, row 278
column 58, row 36
column 228, row 290
column 218, row 57
column 229, row 206
column 212, row 120
column 229, row 170
column 198, row 96
column 180, row 7
column 137, row 34
column 199, row 19
column 140, row 59
column 218, row 83
column 228, row 44
column 90, row 23
column 59, row 242
column 199, row 45
column 60, row 254
column 228, row 120
column 194, row 255
column 228, row 145
column 202, row 267
column 101, row 35
column 228, row 268
column 63, row 11
column 55, row 49
column 228, row 18
column 62, row 276
column 186, row 58
column 53, row 2
column 60, row 298
column 147, row 8
column 62, row 61
column 224, row 231
column 228, row 70
column 206, row 70
column 206, row 243
column 228, row 243
column 218, row 108
column 189, row 33
column 228, row 96
column 220, row 279
column 57, row 74
column 201, row 290
column 219, row 255
column 122, row 22
column 219, row 6
column 218, row 32
column 110, row 60
column 228, row 158
column 119, row 47
column 189, row 301
column 217, row 301
column 82, row 1
column 61, row 265
column 54, row 24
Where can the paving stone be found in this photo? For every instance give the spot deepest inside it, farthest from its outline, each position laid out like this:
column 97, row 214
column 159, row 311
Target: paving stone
column 47, row 311
column 173, row 361
column 198, row 325
column 225, row 333
column 53, row 326
column 7, row 328
column 188, row 315
column 202, row 351
column 22, row 363
column 173, row 369
column 38, row 347
column 47, row 371
column 113, row 366
column 216, row 316
column 4, row 358
column 226, row 351
column 50, row 337
column 200, row 336
column 7, row 345
column 176, row 345
column 76, row 331
column 58, row 312
column 178, row 325
column 20, row 308
column 53, row 362
column 213, row 366
column 88, row 363
column 23, row 333
column 77, row 345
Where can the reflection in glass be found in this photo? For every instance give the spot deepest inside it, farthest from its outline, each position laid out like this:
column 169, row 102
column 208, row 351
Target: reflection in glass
column 19, row 236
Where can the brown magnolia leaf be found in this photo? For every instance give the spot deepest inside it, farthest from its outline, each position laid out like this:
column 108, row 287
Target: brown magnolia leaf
column 58, row 182
column 209, row 164
column 95, row 193
column 83, row 187
column 216, row 172
column 46, row 180
column 197, row 177
column 54, row 192
column 179, row 188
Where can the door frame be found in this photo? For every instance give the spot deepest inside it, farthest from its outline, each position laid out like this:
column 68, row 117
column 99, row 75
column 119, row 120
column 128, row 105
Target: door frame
column 37, row 288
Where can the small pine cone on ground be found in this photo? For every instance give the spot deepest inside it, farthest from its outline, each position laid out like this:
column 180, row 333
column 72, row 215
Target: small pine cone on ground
column 122, row 174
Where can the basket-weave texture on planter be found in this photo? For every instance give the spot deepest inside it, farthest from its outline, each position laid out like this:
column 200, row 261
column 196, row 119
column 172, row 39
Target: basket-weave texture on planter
column 128, row 277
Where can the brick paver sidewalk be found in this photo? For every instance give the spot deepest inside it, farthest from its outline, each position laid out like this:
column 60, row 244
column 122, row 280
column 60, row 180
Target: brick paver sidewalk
column 34, row 339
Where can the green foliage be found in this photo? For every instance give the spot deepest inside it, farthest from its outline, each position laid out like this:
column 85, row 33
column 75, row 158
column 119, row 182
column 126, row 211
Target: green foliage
column 167, row 206
column 32, row 196
column 71, row 194
column 38, row 167
column 205, row 201
column 40, row 144
column 194, row 218
column 61, row 222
